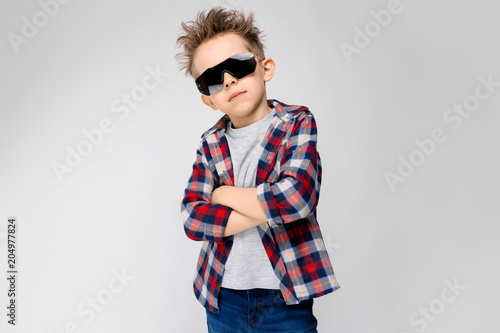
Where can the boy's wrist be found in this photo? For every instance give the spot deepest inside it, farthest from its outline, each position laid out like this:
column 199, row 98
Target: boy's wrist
column 219, row 195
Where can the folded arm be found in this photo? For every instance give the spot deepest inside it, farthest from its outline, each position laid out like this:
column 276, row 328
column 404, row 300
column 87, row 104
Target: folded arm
column 210, row 215
column 296, row 193
column 203, row 220
column 242, row 199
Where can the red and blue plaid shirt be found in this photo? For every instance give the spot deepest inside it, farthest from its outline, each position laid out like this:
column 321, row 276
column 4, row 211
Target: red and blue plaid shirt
column 288, row 182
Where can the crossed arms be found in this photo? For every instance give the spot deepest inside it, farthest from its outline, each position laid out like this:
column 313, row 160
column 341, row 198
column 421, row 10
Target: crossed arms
column 246, row 209
column 211, row 211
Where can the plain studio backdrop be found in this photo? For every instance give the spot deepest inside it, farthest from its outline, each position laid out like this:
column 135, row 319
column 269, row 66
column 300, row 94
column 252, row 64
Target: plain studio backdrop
column 99, row 129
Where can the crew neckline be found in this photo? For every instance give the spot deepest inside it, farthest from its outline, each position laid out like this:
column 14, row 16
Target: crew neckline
column 238, row 132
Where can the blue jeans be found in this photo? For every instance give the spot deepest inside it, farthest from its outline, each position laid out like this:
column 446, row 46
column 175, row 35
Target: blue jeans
column 260, row 311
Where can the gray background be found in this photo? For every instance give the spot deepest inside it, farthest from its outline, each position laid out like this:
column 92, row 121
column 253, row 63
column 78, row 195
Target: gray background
column 119, row 209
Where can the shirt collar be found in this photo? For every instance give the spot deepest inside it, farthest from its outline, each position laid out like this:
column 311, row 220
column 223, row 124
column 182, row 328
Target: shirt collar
column 282, row 110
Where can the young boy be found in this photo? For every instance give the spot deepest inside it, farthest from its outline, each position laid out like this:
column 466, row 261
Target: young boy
column 254, row 187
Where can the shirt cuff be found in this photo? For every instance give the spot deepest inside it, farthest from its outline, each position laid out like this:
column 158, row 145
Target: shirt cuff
column 266, row 200
column 220, row 219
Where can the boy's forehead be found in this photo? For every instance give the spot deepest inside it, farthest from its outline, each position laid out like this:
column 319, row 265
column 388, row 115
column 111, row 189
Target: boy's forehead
column 216, row 50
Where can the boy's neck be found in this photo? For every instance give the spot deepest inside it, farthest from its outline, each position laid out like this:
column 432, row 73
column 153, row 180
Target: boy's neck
column 262, row 111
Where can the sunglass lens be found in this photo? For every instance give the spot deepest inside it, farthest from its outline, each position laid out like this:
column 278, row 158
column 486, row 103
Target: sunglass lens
column 239, row 66
column 214, row 88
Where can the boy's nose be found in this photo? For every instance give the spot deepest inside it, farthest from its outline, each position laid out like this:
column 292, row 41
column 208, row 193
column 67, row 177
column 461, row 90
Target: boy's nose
column 229, row 79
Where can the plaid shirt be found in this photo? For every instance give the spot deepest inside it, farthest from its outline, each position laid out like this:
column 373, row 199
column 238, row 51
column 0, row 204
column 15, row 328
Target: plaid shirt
column 288, row 182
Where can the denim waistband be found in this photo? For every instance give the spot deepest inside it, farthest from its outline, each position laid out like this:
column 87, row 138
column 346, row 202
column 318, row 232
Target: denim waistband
column 255, row 291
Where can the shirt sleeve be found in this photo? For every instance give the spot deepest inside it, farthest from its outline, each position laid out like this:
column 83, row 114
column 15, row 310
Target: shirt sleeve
column 203, row 221
column 295, row 194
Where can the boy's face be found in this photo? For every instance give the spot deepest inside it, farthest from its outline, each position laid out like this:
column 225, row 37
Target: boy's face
column 251, row 105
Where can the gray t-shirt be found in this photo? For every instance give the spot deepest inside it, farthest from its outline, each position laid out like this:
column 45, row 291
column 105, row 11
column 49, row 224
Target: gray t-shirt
column 248, row 265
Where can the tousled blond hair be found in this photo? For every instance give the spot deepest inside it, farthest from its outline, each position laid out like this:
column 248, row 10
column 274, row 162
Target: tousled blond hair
column 218, row 21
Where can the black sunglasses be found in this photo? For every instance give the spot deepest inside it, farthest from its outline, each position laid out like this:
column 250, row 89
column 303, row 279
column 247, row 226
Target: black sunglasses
column 239, row 66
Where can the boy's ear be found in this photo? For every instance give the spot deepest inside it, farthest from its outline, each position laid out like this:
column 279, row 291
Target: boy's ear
column 268, row 66
column 208, row 101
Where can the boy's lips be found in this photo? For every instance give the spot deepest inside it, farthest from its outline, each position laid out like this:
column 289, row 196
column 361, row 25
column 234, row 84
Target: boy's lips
column 236, row 95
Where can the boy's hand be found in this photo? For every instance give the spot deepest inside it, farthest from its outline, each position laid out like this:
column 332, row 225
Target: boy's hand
column 244, row 200
column 217, row 195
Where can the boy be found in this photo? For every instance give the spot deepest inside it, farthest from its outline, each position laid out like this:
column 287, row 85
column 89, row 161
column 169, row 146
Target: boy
column 254, row 187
